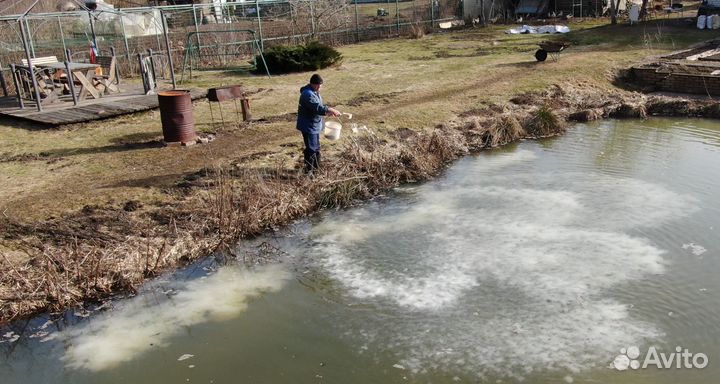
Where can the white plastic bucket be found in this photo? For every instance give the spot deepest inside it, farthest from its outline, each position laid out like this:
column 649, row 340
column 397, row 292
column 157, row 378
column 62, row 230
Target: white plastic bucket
column 701, row 21
column 332, row 130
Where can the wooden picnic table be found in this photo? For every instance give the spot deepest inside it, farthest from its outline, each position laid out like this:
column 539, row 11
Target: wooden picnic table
column 83, row 72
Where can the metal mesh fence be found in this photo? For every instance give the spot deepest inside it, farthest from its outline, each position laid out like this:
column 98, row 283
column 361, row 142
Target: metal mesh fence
column 214, row 32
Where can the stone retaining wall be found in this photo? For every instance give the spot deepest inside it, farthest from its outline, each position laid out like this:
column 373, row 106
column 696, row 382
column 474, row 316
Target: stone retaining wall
column 676, row 82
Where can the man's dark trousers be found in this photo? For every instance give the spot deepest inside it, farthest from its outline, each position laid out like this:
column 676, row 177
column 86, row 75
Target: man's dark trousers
column 312, row 151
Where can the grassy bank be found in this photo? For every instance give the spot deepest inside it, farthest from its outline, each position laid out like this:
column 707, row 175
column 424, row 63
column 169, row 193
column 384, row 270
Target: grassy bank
column 93, row 209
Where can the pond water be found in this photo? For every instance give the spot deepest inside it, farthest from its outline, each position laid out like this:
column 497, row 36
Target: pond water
column 539, row 262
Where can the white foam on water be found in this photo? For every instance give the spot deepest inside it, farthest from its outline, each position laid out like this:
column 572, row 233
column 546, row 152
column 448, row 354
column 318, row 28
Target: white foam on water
column 126, row 332
column 503, row 279
column 449, row 206
column 696, row 249
column 622, row 204
column 502, row 160
column 514, row 343
column 607, row 202
column 363, row 225
column 428, row 292
column 566, row 261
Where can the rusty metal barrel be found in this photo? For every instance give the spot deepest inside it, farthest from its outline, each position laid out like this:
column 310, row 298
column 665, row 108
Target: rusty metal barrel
column 176, row 114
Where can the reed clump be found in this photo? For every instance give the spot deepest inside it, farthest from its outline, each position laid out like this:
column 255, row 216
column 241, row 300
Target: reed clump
column 342, row 193
column 417, row 31
column 544, row 123
column 502, row 130
column 59, row 277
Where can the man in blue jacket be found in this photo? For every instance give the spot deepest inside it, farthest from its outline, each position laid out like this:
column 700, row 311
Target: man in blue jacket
column 310, row 120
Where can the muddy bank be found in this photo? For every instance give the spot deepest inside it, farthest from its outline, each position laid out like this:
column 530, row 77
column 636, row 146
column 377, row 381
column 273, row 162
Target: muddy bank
column 91, row 254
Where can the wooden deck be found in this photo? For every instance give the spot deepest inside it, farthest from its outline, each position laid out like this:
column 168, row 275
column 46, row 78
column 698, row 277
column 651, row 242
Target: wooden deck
column 131, row 100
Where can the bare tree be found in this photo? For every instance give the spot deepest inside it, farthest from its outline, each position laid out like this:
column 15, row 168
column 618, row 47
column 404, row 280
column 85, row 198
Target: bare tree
column 330, row 14
column 298, row 12
column 319, row 15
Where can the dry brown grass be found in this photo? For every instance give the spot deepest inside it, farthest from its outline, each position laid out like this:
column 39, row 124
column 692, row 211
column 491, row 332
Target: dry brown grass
column 586, row 115
column 504, row 129
column 634, row 110
column 669, row 108
column 59, row 277
column 417, row 31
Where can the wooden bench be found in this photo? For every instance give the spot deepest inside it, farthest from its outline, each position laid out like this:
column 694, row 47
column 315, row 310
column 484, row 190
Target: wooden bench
column 40, row 60
column 25, row 86
column 45, row 79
